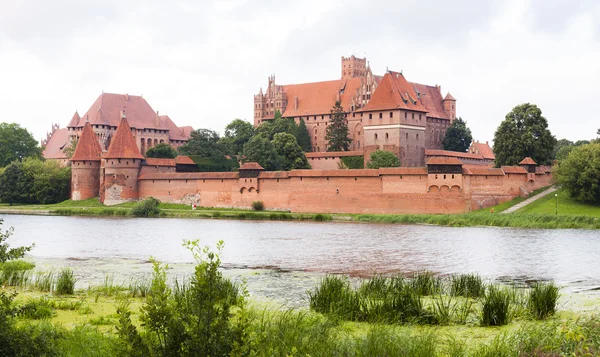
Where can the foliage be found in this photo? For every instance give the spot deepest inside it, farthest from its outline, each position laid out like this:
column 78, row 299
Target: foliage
column 496, row 307
column 16, row 143
column 278, row 125
column 337, row 134
column 35, row 181
column 291, row 153
column 467, row 285
column 524, row 133
column 564, row 147
column 458, row 136
column 258, row 205
column 543, row 299
column 381, row 158
column 162, row 151
column 70, row 149
column 353, row 162
column 215, row 165
column 146, row 208
column 260, row 149
column 579, row 173
column 65, row 284
column 13, row 272
column 204, row 143
column 7, row 253
column 237, row 134
column 303, row 137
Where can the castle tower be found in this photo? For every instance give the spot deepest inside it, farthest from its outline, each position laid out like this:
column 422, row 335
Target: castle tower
column 353, row 67
column 450, row 106
column 121, row 167
column 259, row 107
column 85, row 166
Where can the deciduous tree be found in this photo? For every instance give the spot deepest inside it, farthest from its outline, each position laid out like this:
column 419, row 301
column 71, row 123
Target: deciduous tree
column 579, row 173
column 16, row 143
column 336, row 133
column 277, row 125
column 523, row 133
column 237, row 134
column 204, row 143
column 260, row 149
column 293, row 157
column 382, row 158
column 458, row 136
column 162, row 151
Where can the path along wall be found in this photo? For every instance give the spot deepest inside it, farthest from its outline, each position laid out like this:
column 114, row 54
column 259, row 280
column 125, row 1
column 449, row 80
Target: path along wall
column 392, row 190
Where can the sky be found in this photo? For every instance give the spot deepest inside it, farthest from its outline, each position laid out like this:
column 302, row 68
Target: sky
column 201, row 62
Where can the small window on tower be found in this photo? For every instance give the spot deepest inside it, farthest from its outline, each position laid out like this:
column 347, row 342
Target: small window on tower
column 375, row 136
column 380, row 115
column 391, row 114
column 370, row 116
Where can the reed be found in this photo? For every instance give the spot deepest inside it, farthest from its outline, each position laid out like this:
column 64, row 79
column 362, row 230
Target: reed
column 543, row 299
column 467, row 285
column 44, row 281
column 496, row 307
column 15, row 272
column 426, row 283
column 139, row 287
column 65, row 283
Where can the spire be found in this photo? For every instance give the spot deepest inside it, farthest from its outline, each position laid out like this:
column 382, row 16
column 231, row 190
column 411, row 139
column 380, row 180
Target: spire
column 449, row 97
column 74, row 121
column 88, row 148
column 123, row 144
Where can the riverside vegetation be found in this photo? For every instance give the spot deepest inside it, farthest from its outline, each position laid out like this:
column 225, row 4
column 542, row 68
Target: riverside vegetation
column 209, row 315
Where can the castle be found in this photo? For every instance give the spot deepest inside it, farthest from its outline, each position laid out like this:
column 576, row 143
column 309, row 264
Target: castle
column 149, row 127
column 383, row 112
column 443, row 185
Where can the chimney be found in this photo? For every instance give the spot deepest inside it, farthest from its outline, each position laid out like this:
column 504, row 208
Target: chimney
column 296, row 103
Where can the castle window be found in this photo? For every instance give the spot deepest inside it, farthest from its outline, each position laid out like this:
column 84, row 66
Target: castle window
column 315, row 117
column 387, row 136
column 444, row 177
column 413, row 115
column 361, row 114
column 380, row 115
column 452, row 176
column 391, row 114
column 419, row 116
column 322, row 117
column 359, row 144
column 370, row 116
column 353, row 114
column 375, row 136
column 405, row 115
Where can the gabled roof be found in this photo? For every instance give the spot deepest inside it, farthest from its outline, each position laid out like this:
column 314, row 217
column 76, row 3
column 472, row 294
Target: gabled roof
column 187, row 131
column 319, row 97
column 175, row 132
column 107, row 108
column 483, row 149
column 251, row 166
column 527, row 161
column 431, row 98
column 514, row 170
column 55, row 145
column 394, row 92
column 74, row 121
column 449, row 97
column 447, row 153
column 153, row 161
column 478, row 170
column 88, row 148
column 333, row 154
column 439, row 160
column 184, row 160
column 123, row 144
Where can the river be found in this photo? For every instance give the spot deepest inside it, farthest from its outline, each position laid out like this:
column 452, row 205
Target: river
column 281, row 260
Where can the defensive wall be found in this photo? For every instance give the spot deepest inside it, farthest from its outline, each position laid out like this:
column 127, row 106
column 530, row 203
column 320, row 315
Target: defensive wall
column 402, row 190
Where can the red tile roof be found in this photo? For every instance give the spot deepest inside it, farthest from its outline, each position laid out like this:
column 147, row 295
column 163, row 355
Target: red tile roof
column 186, row 130
column 514, row 170
column 479, row 170
column 319, row 97
column 184, row 160
column 56, row 144
column 88, row 148
column 527, row 161
column 187, row 175
column 334, row 154
column 123, row 144
column 74, row 121
column 449, row 97
column 175, row 132
column 439, row 160
column 107, row 108
column 431, row 98
column 339, row 173
column 447, row 153
column 251, row 166
column 274, row 175
column 152, row 161
column 394, row 92
column 403, row 171
column 483, row 149
column 539, row 170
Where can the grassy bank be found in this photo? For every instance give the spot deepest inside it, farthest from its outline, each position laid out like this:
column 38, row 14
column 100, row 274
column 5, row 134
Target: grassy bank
column 539, row 214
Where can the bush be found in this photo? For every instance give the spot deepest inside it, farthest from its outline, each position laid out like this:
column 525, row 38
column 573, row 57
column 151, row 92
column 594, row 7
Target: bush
column 162, row 151
column 65, row 284
column 215, row 165
column 496, row 305
column 579, row 173
column 353, row 162
column 382, row 158
column 543, row 299
column 258, row 206
column 146, row 208
column 35, row 181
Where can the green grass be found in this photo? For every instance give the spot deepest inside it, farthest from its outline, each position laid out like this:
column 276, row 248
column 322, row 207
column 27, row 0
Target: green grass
column 567, row 206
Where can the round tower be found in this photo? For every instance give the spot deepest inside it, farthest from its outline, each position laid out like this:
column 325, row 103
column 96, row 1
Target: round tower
column 450, row 106
column 85, row 166
column 121, row 167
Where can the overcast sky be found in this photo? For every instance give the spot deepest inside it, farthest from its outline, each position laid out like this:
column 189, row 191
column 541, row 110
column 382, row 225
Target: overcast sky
column 201, row 62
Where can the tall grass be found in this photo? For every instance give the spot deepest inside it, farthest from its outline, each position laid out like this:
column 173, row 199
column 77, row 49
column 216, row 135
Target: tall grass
column 426, row 283
column 44, row 280
column 15, row 272
column 543, row 299
column 65, row 283
column 496, row 306
column 467, row 285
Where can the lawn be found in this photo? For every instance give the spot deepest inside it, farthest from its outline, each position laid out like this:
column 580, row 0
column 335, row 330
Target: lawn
column 566, row 206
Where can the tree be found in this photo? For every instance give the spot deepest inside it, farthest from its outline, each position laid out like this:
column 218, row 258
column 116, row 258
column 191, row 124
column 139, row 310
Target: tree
column 204, row 143
column 260, row 149
column 303, row 137
column 16, row 143
column 293, row 157
column 523, row 133
column 237, row 134
column 277, row 125
column 382, row 158
column 35, row 181
column 336, row 133
column 7, row 253
column 579, row 173
column 10, row 180
column 70, row 150
column 458, row 136
column 162, row 151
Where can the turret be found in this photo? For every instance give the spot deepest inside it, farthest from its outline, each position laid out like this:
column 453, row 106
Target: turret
column 85, row 166
column 353, row 67
column 121, row 165
column 450, row 106
column 259, row 107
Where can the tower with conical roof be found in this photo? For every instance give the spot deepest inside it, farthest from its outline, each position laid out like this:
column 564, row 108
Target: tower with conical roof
column 120, row 167
column 85, row 166
column 450, row 106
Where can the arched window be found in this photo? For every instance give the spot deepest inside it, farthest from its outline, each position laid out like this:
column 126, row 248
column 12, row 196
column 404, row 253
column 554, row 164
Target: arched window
column 387, row 136
column 375, row 136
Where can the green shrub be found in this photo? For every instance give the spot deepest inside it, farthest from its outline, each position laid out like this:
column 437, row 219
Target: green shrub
column 213, row 165
column 496, row 307
column 543, row 299
column 258, row 205
column 36, row 309
column 146, row 208
column 353, row 162
column 65, row 283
